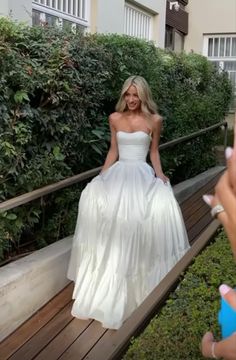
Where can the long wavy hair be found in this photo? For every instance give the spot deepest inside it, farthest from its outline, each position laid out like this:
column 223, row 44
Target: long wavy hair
column 148, row 106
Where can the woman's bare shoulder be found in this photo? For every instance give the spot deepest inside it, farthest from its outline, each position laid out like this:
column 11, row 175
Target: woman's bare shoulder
column 114, row 117
column 157, row 120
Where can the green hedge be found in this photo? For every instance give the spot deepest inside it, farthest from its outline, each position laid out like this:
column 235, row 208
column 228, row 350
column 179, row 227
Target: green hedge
column 191, row 95
column 57, row 89
column 191, row 310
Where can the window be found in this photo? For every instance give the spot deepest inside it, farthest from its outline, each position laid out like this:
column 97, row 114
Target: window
column 169, row 41
column 138, row 22
column 221, row 50
column 62, row 12
column 174, row 40
column 221, row 47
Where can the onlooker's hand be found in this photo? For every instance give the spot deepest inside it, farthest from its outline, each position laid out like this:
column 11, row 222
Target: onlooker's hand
column 225, row 349
column 225, row 195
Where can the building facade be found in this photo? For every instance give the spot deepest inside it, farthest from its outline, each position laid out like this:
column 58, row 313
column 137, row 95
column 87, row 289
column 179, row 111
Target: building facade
column 176, row 25
column 212, row 33
column 144, row 19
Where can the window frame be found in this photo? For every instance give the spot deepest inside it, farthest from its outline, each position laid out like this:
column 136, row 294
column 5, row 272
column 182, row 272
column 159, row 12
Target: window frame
column 84, row 21
column 172, row 31
column 130, row 11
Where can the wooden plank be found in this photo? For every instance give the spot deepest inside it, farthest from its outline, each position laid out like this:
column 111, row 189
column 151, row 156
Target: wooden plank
column 193, row 207
column 32, row 348
column 199, row 227
column 208, row 187
column 64, row 340
column 27, row 330
column 113, row 344
column 88, row 339
column 192, row 219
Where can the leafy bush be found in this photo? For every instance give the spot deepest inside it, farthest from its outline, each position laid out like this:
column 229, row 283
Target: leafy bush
column 52, row 87
column 191, row 310
column 191, row 95
column 57, row 89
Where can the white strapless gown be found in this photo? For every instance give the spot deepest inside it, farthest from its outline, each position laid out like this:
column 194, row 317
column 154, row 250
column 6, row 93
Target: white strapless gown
column 129, row 234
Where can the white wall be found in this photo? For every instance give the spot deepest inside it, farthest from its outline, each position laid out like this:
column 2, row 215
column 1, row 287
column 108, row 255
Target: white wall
column 108, row 16
column 20, row 10
column 4, row 8
column 209, row 16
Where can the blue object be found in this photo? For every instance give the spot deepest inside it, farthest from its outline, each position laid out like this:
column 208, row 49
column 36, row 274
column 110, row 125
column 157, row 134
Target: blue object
column 227, row 319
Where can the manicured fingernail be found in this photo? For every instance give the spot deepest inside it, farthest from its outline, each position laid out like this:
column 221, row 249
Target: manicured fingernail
column 228, row 152
column 207, row 199
column 224, row 289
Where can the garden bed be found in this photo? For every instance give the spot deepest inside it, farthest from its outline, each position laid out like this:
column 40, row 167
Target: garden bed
column 191, row 310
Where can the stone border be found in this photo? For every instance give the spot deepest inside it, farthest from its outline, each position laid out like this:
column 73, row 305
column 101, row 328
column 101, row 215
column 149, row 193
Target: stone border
column 30, row 282
column 186, row 188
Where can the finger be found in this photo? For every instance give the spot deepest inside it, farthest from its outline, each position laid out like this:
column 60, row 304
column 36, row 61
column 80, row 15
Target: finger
column 223, row 215
column 228, row 217
column 213, row 200
column 230, row 155
column 206, row 344
column 208, row 337
column 224, row 195
column 235, row 131
column 208, row 199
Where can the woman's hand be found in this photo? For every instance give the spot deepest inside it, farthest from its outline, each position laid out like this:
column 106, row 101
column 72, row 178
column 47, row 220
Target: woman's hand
column 164, row 178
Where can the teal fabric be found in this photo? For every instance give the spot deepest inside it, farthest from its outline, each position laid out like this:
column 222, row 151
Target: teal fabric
column 227, row 319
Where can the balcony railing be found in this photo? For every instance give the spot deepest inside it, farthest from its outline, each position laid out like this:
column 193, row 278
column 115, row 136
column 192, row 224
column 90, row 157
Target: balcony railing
column 76, row 11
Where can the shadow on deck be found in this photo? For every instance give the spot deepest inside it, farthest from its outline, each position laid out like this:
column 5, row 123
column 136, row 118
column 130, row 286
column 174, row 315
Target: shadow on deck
column 52, row 333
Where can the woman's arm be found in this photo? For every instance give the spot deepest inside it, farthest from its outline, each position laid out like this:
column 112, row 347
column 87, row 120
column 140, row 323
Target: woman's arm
column 154, row 151
column 112, row 154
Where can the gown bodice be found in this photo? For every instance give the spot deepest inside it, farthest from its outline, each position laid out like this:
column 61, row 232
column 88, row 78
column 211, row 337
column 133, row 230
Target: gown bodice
column 133, row 146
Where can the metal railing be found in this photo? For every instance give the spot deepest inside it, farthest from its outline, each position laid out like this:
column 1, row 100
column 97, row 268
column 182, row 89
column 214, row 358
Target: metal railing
column 48, row 189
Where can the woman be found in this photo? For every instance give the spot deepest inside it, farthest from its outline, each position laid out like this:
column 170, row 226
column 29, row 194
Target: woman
column 225, row 196
column 129, row 231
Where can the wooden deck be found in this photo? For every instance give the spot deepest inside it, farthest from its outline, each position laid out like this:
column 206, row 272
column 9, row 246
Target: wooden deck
column 52, row 333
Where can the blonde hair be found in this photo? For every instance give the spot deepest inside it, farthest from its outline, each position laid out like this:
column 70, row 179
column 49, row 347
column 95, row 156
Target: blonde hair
column 148, row 106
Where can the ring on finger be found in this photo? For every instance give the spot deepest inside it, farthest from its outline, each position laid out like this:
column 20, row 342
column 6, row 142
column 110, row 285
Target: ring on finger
column 216, row 210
